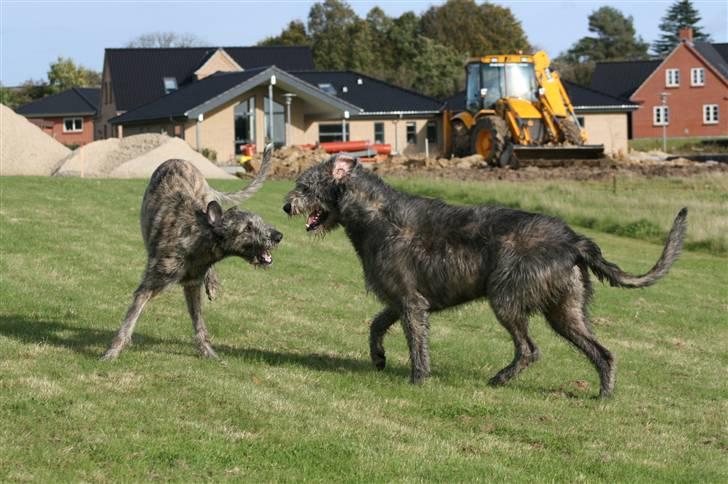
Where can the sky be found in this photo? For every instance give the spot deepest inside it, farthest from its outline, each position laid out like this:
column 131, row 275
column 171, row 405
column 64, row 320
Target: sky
column 34, row 33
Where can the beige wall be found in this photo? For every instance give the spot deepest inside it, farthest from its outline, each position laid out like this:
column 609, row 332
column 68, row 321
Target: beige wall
column 218, row 62
column 609, row 129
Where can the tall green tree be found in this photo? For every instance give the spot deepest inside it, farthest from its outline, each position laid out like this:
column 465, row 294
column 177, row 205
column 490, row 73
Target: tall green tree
column 681, row 14
column 329, row 25
column 614, row 38
column 294, row 34
column 437, row 69
column 474, row 29
column 65, row 74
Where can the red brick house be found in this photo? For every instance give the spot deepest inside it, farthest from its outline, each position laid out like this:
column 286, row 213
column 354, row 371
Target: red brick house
column 67, row 116
column 686, row 93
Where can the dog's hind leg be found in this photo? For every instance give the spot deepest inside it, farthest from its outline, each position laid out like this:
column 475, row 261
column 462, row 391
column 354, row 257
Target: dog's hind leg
column 193, row 296
column 123, row 338
column 569, row 319
column 416, row 326
column 380, row 324
column 526, row 351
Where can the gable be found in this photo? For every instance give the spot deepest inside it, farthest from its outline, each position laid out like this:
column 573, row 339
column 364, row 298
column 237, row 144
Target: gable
column 220, row 61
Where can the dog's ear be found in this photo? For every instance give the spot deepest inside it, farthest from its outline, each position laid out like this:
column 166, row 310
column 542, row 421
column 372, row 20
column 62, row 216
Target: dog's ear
column 343, row 165
column 214, row 214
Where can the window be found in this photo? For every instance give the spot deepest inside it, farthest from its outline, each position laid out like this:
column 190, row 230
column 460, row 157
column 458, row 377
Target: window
column 379, row 132
column 170, row 84
column 72, row 125
column 710, row 114
column 580, row 120
column 412, row 133
column 432, row 131
column 330, row 132
column 660, row 116
column 672, row 77
column 328, row 88
column 697, row 76
column 244, row 116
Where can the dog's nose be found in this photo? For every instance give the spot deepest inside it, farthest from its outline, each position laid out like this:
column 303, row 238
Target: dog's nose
column 276, row 236
column 287, row 208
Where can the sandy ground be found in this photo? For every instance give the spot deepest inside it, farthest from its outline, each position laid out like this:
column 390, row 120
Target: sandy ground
column 24, row 148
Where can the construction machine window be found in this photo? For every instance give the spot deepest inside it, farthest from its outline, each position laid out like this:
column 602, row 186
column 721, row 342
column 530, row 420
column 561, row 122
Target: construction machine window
column 497, row 81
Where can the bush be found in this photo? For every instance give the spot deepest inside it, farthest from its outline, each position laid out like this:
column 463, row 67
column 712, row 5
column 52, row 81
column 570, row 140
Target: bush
column 209, row 154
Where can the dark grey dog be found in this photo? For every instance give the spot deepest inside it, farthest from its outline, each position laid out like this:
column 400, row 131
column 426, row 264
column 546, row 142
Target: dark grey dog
column 422, row 255
column 185, row 232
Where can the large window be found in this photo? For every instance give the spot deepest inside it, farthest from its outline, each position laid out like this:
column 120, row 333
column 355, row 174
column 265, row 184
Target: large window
column 330, row 132
column 412, row 133
column 710, row 113
column 279, row 122
column 672, row 77
column 660, row 116
column 244, row 114
column 72, row 125
column 697, row 76
column 379, row 132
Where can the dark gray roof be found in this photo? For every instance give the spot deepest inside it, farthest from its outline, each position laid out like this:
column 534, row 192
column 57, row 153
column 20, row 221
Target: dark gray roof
column 621, row 79
column 137, row 74
column 587, row 99
column 372, row 95
column 714, row 57
column 77, row 101
column 202, row 96
column 722, row 50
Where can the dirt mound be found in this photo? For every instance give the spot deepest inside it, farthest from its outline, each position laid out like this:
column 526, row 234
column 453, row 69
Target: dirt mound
column 288, row 161
column 98, row 159
column 24, row 148
column 133, row 157
column 143, row 166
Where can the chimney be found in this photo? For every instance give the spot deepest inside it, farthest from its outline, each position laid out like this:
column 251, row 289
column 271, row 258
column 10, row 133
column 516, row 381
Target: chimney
column 685, row 34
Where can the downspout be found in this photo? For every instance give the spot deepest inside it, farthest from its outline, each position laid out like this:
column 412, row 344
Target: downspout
column 270, row 107
column 200, row 118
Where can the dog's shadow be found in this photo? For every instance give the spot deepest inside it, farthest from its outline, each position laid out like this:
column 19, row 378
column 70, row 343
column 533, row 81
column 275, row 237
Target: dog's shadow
column 91, row 341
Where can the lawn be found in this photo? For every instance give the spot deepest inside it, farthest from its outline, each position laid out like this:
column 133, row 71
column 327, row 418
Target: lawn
column 297, row 398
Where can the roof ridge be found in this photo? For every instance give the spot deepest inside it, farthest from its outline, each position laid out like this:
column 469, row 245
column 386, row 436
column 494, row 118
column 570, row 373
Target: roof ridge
column 210, row 47
column 616, row 61
column 77, row 89
column 595, row 91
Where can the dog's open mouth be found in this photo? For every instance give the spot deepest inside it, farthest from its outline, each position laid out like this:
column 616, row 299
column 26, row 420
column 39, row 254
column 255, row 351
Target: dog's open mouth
column 263, row 259
column 316, row 219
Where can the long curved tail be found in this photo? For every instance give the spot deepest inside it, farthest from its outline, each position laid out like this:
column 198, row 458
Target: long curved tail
column 607, row 271
column 247, row 192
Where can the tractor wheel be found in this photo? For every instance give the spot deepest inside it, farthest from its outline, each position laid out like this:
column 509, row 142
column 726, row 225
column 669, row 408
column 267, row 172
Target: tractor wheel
column 489, row 138
column 572, row 133
column 460, row 139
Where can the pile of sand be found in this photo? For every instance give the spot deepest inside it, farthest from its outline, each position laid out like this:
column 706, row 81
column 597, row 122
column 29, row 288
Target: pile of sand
column 133, row 157
column 24, row 148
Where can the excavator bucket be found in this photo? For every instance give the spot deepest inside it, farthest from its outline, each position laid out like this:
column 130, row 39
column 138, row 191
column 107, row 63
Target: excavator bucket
column 582, row 152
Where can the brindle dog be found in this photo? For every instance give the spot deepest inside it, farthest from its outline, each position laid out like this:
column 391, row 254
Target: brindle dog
column 185, row 232
column 422, row 255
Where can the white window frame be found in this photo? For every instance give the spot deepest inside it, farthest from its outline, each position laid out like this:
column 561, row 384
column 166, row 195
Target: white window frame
column 694, row 80
column 170, row 84
column 661, row 116
column 672, row 78
column 711, row 114
column 74, row 129
column 411, row 137
column 378, row 124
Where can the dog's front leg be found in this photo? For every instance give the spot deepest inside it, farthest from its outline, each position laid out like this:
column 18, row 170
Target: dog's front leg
column 415, row 322
column 380, row 324
column 212, row 283
column 123, row 338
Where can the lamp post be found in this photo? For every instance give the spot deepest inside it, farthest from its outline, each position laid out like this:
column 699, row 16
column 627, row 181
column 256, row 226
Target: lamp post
column 665, row 117
column 289, row 97
column 270, row 107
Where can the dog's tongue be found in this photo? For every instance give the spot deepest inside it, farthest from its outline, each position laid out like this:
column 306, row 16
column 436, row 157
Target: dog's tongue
column 266, row 257
column 312, row 220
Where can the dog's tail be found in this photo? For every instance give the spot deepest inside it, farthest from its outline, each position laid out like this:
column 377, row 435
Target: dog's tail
column 250, row 190
column 610, row 272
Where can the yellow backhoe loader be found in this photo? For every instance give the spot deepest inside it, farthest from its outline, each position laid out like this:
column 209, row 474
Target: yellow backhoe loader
column 515, row 108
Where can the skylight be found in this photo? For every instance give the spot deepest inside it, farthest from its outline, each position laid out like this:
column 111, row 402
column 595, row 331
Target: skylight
column 170, row 84
column 328, row 88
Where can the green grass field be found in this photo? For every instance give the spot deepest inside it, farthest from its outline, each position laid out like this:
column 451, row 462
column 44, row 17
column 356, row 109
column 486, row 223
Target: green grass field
column 298, row 398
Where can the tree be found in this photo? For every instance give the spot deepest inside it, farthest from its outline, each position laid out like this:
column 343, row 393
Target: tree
column 614, row 39
column 65, row 74
column 474, row 30
column 166, row 39
column 681, row 14
column 437, row 69
column 294, row 34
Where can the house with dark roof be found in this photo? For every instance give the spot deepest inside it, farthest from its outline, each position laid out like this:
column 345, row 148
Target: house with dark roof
column 603, row 116
column 683, row 95
column 224, row 106
column 67, row 116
